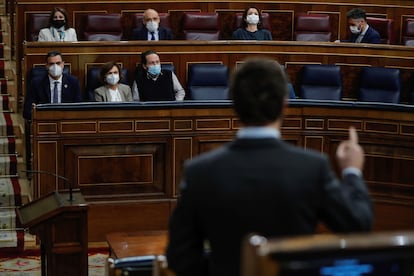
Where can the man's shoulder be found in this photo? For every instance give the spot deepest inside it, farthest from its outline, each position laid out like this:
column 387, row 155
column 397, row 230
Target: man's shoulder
column 372, row 32
column 164, row 29
column 138, row 32
column 70, row 78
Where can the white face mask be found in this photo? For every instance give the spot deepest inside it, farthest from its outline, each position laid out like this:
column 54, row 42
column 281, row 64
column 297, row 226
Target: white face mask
column 152, row 26
column 354, row 29
column 55, row 70
column 112, row 79
column 252, row 19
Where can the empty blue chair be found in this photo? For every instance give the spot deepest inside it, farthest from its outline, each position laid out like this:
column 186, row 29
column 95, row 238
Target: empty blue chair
column 379, row 84
column 93, row 81
column 208, row 81
column 321, row 82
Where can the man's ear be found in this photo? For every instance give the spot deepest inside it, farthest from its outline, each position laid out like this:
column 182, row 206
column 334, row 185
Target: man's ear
column 285, row 104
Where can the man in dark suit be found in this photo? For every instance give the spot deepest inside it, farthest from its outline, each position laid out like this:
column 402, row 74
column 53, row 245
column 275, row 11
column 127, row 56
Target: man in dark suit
column 53, row 87
column 259, row 183
column 361, row 31
column 151, row 29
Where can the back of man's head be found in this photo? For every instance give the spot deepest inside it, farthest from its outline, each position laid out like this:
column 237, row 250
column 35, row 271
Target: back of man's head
column 356, row 13
column 259, row 89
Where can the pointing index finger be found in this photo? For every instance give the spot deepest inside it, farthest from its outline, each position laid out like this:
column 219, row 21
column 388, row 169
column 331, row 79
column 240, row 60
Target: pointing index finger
column 353, row 135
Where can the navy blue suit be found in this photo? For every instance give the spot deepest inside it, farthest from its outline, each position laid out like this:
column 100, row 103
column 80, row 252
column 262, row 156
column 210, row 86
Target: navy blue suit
column 371, row 36
column 142, row 33
column 265, row 186
column 39, row 93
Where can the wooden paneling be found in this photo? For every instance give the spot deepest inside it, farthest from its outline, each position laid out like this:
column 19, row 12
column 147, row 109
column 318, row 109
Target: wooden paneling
column 293, row 55
column 131, row 178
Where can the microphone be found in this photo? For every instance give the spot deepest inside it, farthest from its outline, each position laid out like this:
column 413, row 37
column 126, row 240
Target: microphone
column 55, row 175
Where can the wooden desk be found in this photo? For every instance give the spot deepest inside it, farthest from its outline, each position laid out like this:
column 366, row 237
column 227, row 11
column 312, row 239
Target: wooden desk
column 141, row 243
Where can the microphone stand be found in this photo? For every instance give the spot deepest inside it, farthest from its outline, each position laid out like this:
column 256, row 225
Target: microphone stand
column 70, row 199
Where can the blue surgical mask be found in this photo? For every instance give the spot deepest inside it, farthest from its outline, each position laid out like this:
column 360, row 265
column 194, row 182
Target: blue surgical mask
column 154, row 70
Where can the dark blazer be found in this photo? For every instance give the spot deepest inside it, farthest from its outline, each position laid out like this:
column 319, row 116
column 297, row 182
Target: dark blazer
column 142, row 33
column 371, row 36
column 39, row 93
column 265, row 186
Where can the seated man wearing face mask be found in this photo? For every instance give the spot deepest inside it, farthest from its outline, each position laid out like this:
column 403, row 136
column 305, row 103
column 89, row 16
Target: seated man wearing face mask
column 153, row 84
column 54, row 87
column 151, row 29
column 361, row 31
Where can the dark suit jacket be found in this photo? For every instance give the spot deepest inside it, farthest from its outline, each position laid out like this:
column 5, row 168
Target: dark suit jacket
column 265, row 186
column 142, row 33
column 39, row 93
column 371, row 36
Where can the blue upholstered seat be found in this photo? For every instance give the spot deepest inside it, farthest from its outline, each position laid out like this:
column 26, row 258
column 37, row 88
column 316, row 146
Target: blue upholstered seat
column 379, row 84
column 321, row 82
column 168, row 66
column 208, row 81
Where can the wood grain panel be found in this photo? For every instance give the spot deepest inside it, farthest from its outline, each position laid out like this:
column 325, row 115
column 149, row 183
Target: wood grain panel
column 78, row 127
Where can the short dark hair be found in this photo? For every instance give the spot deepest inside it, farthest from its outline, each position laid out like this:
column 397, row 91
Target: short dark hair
column 145, row 54
column 61, row 10
column 53, row 53
column 258, row 89
column 106, row 68
column 356, row 13
column 243, row 23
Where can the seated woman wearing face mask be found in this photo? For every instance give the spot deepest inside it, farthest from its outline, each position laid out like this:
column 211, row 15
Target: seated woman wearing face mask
column 251, row 27
column 58, row 29
column 112, row 90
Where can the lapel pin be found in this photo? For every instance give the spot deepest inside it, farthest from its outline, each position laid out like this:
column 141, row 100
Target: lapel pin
column 65, row 85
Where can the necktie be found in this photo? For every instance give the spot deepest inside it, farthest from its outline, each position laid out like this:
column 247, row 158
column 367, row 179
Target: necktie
column 55, row 98
column 61, row 35
column 152, row 36
column 359, row 38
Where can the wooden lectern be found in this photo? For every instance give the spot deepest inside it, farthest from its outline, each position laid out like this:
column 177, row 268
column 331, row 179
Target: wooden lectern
column 60, row 221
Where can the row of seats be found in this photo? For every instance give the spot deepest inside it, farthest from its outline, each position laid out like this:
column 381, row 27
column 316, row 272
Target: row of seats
column 377, row 84
column 319, row 82
column 101, row 27
column 206, row 26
